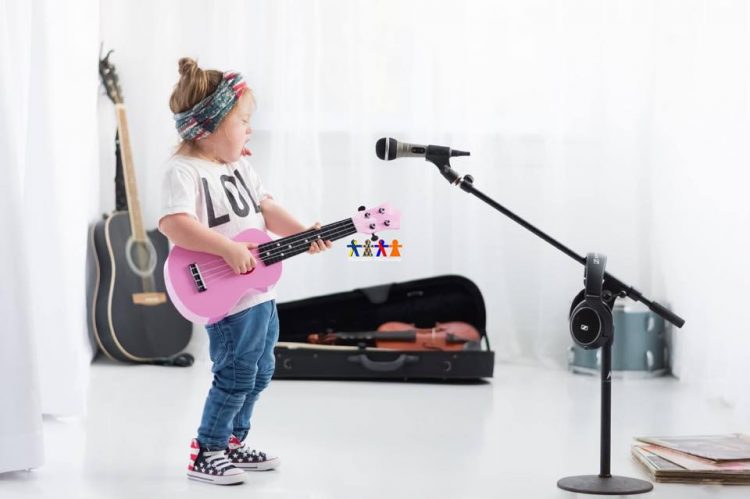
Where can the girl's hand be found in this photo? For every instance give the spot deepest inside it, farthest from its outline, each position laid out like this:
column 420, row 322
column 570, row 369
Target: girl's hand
column 318, row 245
column 238, row 257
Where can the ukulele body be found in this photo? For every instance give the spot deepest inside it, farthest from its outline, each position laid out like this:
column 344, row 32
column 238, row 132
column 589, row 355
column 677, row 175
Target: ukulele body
column 209, row 295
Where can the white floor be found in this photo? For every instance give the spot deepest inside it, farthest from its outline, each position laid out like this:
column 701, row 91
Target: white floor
column 513, row 437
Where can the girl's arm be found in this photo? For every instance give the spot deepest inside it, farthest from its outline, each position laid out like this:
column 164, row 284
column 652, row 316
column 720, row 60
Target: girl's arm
column 278, row 220
column 281, row 222
column 183, row 230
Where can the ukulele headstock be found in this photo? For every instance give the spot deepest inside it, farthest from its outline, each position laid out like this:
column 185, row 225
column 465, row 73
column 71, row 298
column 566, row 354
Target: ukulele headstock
column 382, row 217
column 110, row 79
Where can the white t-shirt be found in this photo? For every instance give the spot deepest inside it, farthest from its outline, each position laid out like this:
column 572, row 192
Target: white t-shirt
column 223, row 197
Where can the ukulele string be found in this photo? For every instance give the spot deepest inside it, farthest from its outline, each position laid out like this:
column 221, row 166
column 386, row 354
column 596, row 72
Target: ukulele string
column 212, row 262
column 224, row 270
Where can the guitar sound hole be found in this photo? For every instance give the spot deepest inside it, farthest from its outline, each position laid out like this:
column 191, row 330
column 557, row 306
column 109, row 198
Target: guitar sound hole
column 249, row 271
column 141, row 256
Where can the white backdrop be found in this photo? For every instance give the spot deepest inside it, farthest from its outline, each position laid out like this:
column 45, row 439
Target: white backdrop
column 619, row 127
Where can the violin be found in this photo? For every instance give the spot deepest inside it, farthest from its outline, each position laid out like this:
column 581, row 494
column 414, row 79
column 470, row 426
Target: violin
column 446, row 336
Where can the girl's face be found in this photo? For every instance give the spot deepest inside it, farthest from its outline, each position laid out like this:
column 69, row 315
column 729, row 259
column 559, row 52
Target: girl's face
column 226, row 144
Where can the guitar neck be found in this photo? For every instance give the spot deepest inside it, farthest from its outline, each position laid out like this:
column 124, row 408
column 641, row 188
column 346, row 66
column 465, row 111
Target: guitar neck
column 134, row 207
column 287, row 247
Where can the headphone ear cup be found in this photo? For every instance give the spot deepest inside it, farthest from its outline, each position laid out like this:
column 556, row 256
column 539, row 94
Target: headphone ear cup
column 591, row 325
column 585, row 326
column 580, row 330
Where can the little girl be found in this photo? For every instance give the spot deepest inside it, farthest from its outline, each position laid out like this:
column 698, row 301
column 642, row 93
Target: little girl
column 210, row 194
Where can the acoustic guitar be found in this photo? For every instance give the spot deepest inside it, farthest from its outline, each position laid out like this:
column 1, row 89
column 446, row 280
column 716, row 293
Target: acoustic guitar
column 132, row 317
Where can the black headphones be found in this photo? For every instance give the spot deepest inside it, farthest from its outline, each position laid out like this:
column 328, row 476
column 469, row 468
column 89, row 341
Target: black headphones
column 590, row 317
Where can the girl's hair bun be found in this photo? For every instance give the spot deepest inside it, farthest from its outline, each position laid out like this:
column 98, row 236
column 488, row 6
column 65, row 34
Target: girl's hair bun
column 188, row 66
column 194, row 85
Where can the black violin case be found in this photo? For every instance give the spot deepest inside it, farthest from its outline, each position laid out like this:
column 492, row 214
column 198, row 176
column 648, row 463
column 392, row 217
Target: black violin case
column 422, row 302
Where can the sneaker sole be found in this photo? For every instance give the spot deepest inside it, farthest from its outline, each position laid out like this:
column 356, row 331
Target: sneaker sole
column 265, row 466
column 216, row 479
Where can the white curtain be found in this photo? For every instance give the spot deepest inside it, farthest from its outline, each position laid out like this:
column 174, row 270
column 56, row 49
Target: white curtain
column 20, row 416
column 699, row 157
column 618, row 126
column 48, row 197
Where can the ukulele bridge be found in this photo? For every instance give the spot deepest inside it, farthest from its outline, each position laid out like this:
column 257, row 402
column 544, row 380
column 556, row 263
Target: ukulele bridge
column 197, row 277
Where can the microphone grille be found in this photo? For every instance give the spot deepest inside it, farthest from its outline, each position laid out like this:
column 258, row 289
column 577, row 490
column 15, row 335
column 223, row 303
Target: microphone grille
column 385, row 148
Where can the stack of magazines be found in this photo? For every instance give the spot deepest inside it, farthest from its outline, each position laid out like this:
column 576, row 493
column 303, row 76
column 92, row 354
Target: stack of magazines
column 696, row 459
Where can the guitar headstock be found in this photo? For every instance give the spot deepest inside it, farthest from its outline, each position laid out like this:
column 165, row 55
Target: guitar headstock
column 382, row 217
column 110, row 79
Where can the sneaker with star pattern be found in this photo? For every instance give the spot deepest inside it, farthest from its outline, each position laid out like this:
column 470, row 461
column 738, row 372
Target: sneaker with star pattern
column 242, row 456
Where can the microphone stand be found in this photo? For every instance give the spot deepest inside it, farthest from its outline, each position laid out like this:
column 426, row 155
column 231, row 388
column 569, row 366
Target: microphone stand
column 604, row 483
column 440, row 157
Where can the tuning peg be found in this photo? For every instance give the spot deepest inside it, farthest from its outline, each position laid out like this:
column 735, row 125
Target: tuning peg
column 361, row 208
column 374, row 237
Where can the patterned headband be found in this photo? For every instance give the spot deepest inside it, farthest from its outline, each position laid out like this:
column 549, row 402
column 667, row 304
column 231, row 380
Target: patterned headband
column 203, row 118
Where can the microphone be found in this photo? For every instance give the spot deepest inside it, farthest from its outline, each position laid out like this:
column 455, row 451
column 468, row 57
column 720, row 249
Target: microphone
column 389, row 148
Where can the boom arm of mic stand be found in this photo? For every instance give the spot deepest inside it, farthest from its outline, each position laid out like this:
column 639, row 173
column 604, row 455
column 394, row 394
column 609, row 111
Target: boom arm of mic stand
column 440, row 157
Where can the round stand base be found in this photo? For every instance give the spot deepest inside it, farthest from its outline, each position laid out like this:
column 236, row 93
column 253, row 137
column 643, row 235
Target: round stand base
column 614, row 485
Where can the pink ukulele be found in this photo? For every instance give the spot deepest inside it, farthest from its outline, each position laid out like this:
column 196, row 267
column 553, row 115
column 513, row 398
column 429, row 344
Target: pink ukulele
column 204, row 288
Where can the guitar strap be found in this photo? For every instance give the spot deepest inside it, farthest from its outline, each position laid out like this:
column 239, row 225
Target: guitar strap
column 121, row 195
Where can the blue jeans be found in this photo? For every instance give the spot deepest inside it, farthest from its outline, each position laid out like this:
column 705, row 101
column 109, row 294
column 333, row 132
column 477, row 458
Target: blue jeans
column 241, row 349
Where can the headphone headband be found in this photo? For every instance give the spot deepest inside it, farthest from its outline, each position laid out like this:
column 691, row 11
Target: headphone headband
column 594, row 277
